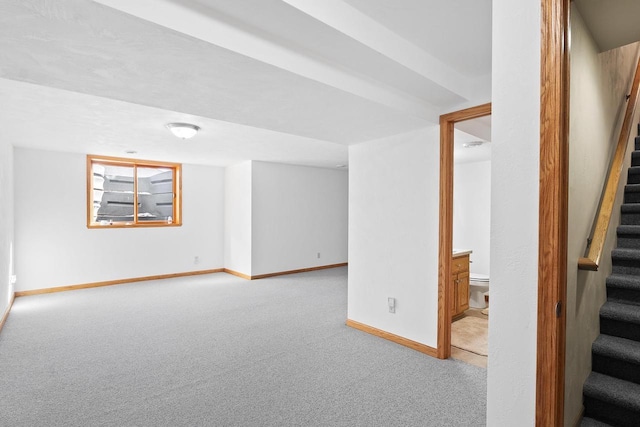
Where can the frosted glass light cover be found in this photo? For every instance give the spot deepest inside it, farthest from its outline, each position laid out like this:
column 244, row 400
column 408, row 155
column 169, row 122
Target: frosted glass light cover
column 183, row 130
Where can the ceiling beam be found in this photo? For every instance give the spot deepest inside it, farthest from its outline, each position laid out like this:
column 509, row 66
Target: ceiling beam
column 355, row 24
column 204, row 24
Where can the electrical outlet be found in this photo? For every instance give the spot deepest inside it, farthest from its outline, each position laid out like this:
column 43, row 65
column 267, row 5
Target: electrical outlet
column 14, row 279
column 392, row 304
column 196, row 260
column 318, row 254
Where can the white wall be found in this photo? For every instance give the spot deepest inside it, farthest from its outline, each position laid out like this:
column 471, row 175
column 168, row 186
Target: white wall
column 472, row 212
column 237, row 218
column 297, row 212
column 54, row 247
column 6, row 224
column 511, row 382
column 393, row 234
column 599, row 83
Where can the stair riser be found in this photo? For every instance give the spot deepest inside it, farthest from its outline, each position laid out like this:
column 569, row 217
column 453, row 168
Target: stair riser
column 631, row 197
column 620, row 329
column 630, row 218
column 624, row 263
column 628, row 241
column 621, row 290
column 625, row 296
column 610, row 413
column 633, row 178
column 615, row 368
column 625, row 267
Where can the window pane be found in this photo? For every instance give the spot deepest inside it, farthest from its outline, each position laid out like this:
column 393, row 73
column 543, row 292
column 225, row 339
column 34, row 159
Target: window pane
column 98, row 188
column 155, row 194
column 117, row 201
column 133, row 193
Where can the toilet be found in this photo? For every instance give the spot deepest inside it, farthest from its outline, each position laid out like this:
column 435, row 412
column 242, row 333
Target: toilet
column 478, row 286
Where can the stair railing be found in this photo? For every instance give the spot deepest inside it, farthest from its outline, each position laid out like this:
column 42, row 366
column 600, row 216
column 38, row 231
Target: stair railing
column 595, row 242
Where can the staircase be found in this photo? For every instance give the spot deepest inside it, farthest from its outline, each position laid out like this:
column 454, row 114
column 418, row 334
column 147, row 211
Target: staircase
column 612, row 390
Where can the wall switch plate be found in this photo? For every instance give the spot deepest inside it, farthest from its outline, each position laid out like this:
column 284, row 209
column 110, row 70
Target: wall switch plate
column 318, row 254
column 391, row 302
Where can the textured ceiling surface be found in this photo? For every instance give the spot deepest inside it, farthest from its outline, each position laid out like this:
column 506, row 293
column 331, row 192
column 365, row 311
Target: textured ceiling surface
column 292, row 81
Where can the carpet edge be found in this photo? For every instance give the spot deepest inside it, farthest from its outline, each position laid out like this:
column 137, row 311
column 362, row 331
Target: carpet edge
column 114, row 282
column 7, row 311
column 422, row 348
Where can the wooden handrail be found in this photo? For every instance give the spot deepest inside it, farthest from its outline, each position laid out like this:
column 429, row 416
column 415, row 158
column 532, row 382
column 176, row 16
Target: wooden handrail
column 594, row 250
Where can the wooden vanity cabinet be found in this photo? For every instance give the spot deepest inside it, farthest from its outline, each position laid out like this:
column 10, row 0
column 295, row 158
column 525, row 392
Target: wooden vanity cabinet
column 460, row 283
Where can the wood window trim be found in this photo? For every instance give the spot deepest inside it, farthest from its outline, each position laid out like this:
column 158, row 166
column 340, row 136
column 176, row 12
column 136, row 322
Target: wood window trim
column 135, row 163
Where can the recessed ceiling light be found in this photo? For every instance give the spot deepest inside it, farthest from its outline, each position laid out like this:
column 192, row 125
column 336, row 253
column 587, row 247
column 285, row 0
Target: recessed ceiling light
column 472, row 144
column 183, row 130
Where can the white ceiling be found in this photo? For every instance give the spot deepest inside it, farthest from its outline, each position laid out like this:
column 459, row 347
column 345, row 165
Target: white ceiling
column 478, row 129
column 613, row 23
column 292, row 81
column 455, row 32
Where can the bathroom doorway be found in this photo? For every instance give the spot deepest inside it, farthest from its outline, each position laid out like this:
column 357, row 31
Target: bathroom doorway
column 471, row 240
column 454, row 273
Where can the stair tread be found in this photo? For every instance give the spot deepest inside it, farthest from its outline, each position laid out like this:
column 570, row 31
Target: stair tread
column 628, row 229
column 627, row 281
column 625, row 254
column 617, row 348
column 619, row 315
column 621, row 312
column 613, row 390
column 590, row 422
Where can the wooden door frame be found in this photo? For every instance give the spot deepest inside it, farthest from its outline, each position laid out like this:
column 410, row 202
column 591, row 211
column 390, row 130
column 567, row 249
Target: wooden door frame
column 553, row 214
column 553, row 208
column 445, row 288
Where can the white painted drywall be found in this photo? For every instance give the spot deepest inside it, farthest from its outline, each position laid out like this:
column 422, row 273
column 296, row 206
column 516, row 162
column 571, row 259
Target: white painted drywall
column 599, row 83
column 393, row 234
column 6, row 224
column 472, row 212
column 297, row 212
column 511, row 380
column 237, row 218
column 54, row 247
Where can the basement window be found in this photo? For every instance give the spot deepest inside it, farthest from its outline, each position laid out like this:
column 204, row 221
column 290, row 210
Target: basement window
column 133, row 193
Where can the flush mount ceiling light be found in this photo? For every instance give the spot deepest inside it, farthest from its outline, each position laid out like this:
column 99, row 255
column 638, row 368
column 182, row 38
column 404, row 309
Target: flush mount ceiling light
column 183, row 130
column 472, row 144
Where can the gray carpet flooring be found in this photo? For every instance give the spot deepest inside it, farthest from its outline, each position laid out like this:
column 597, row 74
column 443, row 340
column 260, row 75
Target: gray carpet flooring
column 217, row 350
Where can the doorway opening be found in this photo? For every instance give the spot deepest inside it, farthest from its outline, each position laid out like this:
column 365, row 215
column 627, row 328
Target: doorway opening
column 447, row 297
column 470, row 273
